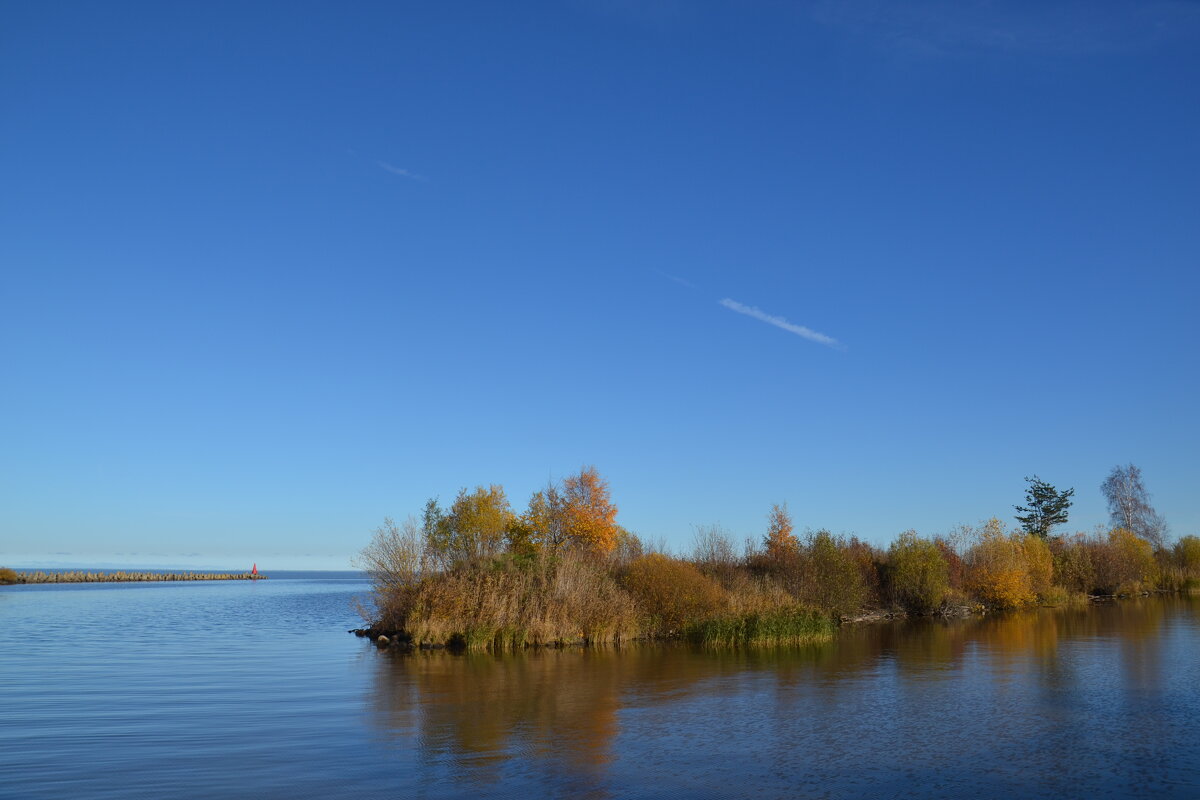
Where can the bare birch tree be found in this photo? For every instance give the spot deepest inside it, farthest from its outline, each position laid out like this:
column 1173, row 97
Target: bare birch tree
column 1129, row 504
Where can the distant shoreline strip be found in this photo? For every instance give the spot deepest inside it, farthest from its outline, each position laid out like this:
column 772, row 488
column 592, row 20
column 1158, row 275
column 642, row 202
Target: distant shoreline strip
column 130, row 577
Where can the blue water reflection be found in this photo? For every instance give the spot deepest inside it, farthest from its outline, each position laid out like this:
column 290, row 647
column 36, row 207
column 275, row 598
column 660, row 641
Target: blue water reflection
column 241, row 689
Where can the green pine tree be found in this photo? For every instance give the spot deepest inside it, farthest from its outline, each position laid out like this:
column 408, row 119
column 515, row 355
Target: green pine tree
column 1045, row 507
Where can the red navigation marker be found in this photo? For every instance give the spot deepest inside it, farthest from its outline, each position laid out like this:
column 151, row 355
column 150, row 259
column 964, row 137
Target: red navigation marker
column 254, row 570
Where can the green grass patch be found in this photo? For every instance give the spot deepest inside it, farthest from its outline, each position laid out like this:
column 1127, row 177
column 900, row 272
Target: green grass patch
column 776, row 628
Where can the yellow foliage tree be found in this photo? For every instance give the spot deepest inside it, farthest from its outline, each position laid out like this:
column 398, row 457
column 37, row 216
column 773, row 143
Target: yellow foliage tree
column 1040, row 563
column 999, row 571
column 546, row 519
column 1187, row 554
column 918, row 576
column 521, row 538
column 478, row 523
column 1134, row 558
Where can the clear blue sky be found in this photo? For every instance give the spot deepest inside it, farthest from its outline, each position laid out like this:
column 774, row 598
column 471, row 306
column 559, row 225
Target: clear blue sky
column 273, row 272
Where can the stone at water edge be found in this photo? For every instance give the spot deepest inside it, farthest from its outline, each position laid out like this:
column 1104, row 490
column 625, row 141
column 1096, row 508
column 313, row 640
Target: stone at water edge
column 383, row 641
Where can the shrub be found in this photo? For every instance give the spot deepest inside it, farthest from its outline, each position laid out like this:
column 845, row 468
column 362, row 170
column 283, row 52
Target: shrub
column 1187, row 555
column 918, row 577
column 830, row 580
column 956, row 568
column 868, row 560
column 1073, row 568
column 998, row 569
column 1174, row 579
column 7, row 575
column 1040, row 563
column 1130, row 564
column 628, row 548
column 670, row 593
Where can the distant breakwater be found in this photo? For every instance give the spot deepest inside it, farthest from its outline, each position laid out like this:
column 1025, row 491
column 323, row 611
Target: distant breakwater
column 130, row 577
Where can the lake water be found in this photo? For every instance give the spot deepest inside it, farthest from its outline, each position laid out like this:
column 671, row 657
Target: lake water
column 238, row 689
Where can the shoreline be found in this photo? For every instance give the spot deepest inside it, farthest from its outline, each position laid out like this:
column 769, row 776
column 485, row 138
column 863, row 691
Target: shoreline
column 121, row 576
column 404, row 642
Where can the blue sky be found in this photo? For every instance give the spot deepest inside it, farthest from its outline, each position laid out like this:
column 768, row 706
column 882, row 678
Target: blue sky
column 273, row 272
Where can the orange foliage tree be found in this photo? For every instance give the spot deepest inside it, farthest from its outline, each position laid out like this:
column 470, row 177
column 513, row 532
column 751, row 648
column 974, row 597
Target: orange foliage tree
column 780, row 541
column 589, row 513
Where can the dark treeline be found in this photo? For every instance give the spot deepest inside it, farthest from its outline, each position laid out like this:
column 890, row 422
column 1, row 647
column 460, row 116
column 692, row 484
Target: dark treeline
column 480, row 575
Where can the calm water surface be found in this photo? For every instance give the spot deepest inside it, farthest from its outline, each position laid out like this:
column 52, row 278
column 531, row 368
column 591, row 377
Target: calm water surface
column 238, row 689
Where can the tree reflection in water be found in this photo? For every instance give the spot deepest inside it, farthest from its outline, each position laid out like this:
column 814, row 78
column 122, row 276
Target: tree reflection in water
column 1025, row 702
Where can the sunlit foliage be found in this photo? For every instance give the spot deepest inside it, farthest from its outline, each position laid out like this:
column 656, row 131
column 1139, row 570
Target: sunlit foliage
column 1187, row 554
column 998, row 569
column 918, row 576
column 591, row 516
column 670, row 592
column 780, row 542
column 1040, row 564
column 564, row 570
column 1132, row 566
column 830, row 579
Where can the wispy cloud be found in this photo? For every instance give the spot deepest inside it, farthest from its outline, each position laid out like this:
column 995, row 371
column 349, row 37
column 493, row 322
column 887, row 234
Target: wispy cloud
column 677, row 279
column 403, row 173
column 780, row 322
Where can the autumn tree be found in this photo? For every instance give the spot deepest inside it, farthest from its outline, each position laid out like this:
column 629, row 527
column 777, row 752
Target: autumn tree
column 520, row 537
column 1044, row 507
column 546, row 519
column 589, row 513
column 475, row 527
column 1129, row 504
column 780, row 541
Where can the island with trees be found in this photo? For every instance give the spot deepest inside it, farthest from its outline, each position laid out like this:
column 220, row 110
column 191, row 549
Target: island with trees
column 478, row 574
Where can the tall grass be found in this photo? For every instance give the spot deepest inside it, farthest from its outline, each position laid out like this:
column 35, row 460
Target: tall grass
column 780, row 627
column 510, row 603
